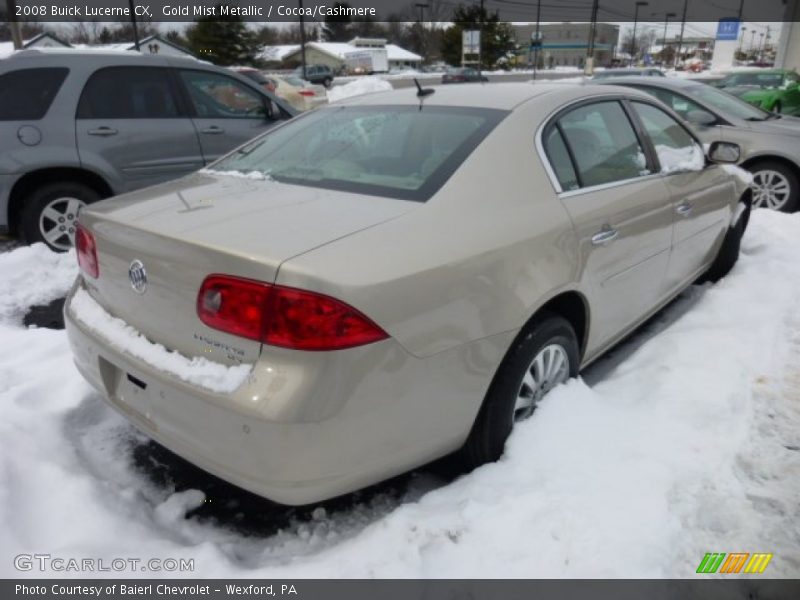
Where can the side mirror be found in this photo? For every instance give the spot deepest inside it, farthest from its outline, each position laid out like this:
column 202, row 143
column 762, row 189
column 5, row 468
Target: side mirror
column 724, row 152
column 701, row 118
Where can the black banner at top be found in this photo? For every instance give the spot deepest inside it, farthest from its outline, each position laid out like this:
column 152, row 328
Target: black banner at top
column 408, row 10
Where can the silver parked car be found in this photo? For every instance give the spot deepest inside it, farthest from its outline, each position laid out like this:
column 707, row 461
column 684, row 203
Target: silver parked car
column 77, row 126
column 770, row 143
column 384, row 281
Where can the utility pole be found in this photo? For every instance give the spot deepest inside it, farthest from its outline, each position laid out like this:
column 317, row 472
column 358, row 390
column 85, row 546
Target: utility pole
column 135, row 28
column 302, row 38
column 633, row 37
column 538, row 37
column 683, row 27
column 16, row 34
column 480, row 42
column 422, row 8
column 667, row 17
column 589, row 67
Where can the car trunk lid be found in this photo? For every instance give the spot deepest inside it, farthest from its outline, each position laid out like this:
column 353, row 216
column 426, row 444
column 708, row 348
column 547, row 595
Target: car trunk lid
column 183, row 231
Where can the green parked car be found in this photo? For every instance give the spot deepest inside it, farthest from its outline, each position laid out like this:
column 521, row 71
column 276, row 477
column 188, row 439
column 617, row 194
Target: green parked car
column 774, row 90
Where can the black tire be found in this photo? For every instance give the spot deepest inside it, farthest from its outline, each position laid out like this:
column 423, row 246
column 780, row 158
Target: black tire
column 729, row 251
column 777, row 108
column 327, row 82
column 495, row 420
column 29, row 230
column 793, row 202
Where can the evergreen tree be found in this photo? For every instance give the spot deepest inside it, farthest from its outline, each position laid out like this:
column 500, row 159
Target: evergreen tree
column 497, row 39
column 222, row 40
column 338, row 28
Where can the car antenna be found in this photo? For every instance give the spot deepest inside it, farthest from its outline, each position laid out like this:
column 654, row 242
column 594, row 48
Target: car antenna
column 422, row 92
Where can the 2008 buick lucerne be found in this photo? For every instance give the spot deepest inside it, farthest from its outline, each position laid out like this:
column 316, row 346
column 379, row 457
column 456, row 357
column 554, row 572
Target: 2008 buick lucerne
column 384, row 281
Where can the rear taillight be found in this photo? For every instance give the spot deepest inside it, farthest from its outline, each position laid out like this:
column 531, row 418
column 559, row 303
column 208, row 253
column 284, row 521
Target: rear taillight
column 86, row 248
column 307, row 93
column 282, row 316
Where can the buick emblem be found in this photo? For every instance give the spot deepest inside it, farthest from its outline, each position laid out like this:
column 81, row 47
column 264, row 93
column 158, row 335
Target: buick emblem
column 138, row 277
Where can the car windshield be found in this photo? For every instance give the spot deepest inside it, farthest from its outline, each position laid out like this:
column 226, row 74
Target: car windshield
column 765, row 80
column 405, row 152
column 726, row 103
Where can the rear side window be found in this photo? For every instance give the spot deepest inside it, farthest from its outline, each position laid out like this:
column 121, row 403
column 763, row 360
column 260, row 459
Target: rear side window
column 26, row 95
column 603, row 143
column 560, row 160
column 129, row 93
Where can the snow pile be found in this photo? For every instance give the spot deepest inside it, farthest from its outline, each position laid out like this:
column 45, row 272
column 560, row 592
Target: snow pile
column 198, row 371
column 688, row 158
column 254, row 175
column 33, row 275
column 363, row 85
column 682, row 441
column 746, row 177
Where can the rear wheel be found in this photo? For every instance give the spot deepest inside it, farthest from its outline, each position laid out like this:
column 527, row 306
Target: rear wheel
column 545, row 356
column 777, row 108
column 775, row 186
column 327, row 82
column 49, row 214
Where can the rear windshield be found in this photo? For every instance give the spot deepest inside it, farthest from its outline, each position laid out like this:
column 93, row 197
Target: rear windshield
column 766, row 80
column 26, row 95
column 404, row 152
column 726, row 103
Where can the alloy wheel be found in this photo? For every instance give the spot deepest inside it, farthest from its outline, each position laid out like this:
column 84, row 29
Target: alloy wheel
column 57, row 222
column 549, row 368
column 770, row 189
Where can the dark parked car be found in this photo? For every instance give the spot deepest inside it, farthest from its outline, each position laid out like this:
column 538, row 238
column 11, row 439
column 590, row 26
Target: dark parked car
column 77, row 126
column 319, row 74
column 463, row 75
column 648, row 72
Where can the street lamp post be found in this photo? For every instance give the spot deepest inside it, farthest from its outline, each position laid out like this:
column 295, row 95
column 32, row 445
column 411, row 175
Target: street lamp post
column 667, row 17
column 633, row 37
column 302, row 39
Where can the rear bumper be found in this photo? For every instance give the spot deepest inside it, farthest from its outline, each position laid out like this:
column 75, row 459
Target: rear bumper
column 305, row 426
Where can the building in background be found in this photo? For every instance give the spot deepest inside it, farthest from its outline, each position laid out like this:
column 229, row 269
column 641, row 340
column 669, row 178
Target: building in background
column 567, row 44
column 153, row 44
column 340, row 56
column 789, row 43
column 43, row 40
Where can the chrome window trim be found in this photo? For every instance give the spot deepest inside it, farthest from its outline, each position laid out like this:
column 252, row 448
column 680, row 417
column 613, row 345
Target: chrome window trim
column 551, row 174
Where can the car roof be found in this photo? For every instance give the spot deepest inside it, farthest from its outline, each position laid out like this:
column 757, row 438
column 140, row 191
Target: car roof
column 665, row 82
column 501, row 95
column 62, row 56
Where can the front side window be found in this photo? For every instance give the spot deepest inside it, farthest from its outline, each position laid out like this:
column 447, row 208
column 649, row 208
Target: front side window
column 393, row 151
column 218, row 96
column 128, row 93
column 603, row 143
column 675, row 148
column 26, row 95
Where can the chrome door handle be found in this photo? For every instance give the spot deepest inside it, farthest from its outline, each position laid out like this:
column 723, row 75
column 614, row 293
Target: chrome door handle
column 605, row 236
column 684, row 209
column 214, row 130
column 103, row 131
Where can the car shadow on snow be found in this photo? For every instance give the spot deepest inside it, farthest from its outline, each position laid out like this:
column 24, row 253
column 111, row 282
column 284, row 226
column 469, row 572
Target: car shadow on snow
column 233, row 508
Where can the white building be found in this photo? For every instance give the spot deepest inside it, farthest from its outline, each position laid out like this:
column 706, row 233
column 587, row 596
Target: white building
column 335, row 54
column 153, row 44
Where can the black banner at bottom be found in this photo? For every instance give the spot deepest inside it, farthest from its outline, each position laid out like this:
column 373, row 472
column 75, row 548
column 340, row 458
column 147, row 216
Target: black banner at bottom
column 750, row 588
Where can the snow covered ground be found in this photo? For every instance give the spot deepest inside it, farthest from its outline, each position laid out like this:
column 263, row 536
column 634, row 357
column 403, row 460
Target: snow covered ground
column 684, row 440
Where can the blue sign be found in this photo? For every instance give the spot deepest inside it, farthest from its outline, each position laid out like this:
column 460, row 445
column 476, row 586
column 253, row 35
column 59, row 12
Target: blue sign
column 728, row 29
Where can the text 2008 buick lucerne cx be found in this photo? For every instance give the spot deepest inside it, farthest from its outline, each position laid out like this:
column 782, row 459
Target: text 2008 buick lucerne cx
column 385, row 281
